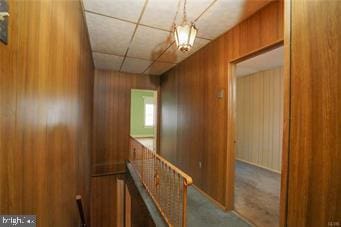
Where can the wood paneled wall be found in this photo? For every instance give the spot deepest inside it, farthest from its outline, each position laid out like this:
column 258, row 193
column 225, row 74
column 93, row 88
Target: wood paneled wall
column 259, row 118
column 111, row 126
column 107, row 201
column 46, row 87
column 116, row 202
column 314, row 186
column 193, row 118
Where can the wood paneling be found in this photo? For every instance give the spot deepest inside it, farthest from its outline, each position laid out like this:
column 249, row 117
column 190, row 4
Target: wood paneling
column 107, row 193
column 116, row 202
column 314, row 186
column 46, row 83
column 259, row 118
column 111, row 126
column 193, row 117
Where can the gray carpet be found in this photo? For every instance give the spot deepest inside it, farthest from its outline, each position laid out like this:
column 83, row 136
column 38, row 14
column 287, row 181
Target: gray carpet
column 257, row 193
column 202, row 212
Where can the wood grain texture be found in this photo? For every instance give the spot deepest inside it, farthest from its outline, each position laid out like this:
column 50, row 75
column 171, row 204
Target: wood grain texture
column 110, row 195
column 111, row 126
column 193, row 119
column 314, row 185
column 259, row 118
column 286, row 116
column 107, row 192
column 46, row 84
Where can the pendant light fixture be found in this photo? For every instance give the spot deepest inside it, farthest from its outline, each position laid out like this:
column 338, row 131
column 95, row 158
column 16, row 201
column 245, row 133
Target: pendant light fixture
column 185, row 33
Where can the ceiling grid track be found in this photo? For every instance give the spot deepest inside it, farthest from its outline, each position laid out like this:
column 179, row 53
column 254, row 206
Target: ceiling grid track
column 132, row 37
column 156, row 60
column 209, row 6
column 134, row 28
column 131, row 22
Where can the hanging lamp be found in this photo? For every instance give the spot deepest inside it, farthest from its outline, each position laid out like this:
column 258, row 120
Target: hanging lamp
column 185, row 33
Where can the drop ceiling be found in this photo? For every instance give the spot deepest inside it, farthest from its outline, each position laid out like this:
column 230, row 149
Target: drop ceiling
column 269, row 60
column 136, row 36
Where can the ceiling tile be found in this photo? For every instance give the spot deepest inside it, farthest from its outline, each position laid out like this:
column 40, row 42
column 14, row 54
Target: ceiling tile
column 160, row 13
column 149, row 43
column 223, row 15
column 196, row 7
column 124, row 9
column 157, row 68
column 113, row 36
column 173, row 55
column 269, row 60
column 134, row 65
column 243, row 71
column 109, row 35
column 163, row 13
column 106, row 61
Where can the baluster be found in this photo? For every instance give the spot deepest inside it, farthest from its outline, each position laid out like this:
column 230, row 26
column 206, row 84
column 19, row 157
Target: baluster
column 184, row 206
column 165, row 183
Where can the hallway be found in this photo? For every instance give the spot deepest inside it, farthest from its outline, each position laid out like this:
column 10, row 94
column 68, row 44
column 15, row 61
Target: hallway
column 108, row 205
column 73, row 71
column 257, row 193
column 202, row 212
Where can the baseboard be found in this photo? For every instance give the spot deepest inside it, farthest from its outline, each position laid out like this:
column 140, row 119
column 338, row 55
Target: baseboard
column 108, row 168
column 260, row 166
column 218, row 204
column 108, row 174
column 143, row 136
column 243, row 218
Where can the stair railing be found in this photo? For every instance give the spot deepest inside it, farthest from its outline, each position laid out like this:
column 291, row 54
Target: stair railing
column 165, row 183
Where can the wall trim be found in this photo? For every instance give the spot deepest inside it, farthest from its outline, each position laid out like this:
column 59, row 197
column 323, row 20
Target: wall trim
column 218, row 204
column 260, row 166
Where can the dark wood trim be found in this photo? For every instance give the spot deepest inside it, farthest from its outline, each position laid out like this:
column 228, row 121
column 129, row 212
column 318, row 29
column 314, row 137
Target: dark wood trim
column 258, row 51
column 286, row 116
column 158, row 121
column 231, row 121
column 230, row 151
column 108, row 174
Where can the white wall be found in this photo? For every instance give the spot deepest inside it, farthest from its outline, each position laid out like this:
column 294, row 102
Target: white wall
column 259, row 118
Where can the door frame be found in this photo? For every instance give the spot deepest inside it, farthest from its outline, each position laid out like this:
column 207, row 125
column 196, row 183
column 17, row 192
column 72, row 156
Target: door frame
column 231, row 130
column 157, row 117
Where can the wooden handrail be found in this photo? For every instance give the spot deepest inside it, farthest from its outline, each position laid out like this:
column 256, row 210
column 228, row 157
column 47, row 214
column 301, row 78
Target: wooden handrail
column 187, row 178
column 165, row 183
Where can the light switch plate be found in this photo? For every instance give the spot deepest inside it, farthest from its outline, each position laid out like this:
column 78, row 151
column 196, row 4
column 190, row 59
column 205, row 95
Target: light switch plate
column 220, row 94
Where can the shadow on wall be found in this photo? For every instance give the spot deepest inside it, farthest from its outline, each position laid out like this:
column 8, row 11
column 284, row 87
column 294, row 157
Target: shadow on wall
column 166, row 47
column 163, row 47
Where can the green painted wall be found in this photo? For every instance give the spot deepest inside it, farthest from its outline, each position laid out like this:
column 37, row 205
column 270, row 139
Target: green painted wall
column 137, row 128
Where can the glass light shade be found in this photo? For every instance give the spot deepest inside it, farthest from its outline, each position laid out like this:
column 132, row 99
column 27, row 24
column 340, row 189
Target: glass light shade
column 184, row 36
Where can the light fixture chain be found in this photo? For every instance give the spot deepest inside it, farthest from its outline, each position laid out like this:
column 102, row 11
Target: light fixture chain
column 185, row 14
column 177, row 12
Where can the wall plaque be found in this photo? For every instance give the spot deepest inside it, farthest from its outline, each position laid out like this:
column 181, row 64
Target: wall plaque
column 3, row 21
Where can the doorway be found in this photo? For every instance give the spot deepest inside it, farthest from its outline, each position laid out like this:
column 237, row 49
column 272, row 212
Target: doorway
column 258, row 133
column 143, row 117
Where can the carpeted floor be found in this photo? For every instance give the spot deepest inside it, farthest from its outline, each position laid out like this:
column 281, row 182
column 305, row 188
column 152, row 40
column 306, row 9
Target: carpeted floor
column 257, row 193
column 203, row 213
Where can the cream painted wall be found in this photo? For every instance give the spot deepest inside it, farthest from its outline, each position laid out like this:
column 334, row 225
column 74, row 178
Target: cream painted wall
column 259, row 118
